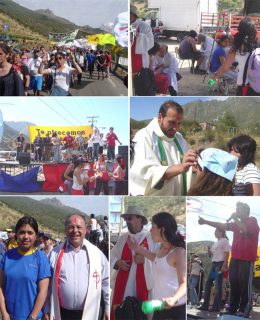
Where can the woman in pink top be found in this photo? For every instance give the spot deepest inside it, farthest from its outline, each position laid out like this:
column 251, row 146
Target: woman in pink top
column 102, row 175
column 119, row 176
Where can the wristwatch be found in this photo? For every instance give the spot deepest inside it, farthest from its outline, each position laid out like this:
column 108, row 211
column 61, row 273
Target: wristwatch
column 31, row 318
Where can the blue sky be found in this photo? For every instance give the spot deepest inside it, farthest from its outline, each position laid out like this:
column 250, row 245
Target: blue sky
column 217, row 209
column 66, row 111
column 90, row 204
column 142, row 108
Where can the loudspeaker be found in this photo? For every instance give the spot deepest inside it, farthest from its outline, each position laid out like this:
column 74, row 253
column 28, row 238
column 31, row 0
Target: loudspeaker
column 24, row 158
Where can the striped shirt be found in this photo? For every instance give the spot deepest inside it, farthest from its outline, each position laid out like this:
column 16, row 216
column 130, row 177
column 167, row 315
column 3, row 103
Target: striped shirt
column 250, row 174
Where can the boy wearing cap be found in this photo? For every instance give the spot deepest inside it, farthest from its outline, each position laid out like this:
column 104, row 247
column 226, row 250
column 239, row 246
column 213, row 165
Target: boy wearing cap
column 133, row 273
column 243, row 255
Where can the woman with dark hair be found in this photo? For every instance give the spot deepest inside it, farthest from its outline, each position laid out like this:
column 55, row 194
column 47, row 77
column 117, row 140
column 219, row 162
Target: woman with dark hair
column 61, row 73
column 80, row 177
column 247, row 179
column 215, row 173
column 56, row 147
column 102, row 175
column 219, row 254
column 169, row 266
column 24, row 275
column 245, row 42
column 119, row 176
column 10, row 82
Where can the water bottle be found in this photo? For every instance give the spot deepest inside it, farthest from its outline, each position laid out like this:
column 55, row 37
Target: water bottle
column 211, row 83
column 152, row 305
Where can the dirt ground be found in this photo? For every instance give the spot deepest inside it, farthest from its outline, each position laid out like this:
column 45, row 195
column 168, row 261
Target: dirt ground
column 190, row 84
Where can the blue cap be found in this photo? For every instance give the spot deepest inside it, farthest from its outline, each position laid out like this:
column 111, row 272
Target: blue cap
column 218, row 161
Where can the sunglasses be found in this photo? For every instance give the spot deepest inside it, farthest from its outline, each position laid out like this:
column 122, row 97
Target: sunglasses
column 59, row 58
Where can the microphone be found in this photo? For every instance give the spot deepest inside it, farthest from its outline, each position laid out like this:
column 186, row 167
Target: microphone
column 231, row 217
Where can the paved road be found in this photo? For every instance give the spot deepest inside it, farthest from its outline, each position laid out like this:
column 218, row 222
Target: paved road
column 112, row 86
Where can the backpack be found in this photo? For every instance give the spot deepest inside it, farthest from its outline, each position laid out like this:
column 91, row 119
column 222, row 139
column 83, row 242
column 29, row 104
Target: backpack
column 130, row 309
column 253, row 71
column 144, row 83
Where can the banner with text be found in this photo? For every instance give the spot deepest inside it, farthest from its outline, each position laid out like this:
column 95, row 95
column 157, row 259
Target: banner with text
column 60, row 130
column 63, row 36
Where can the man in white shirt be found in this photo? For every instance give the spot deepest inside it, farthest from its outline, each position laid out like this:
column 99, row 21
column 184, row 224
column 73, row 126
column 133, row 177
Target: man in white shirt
column 80, row 275
column 35, row 77
column 162, row 160
column 131, row 267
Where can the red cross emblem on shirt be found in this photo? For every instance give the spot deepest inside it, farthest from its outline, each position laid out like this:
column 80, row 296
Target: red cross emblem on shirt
column 97, row 276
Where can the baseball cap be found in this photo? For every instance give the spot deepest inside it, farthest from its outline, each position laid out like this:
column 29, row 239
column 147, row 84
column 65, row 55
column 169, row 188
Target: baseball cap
column 46, row 236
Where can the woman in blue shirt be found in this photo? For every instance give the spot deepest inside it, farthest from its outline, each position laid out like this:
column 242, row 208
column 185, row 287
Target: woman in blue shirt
column 24, row 275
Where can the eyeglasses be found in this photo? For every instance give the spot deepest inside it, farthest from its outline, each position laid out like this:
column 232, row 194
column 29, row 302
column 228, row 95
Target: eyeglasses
column 59, row 58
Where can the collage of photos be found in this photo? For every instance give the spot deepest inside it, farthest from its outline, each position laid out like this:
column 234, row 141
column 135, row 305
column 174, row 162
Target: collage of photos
column 129, row 160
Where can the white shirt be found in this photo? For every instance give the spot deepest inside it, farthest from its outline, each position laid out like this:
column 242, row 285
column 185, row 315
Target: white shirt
column 241, row 59
column 219, row 249
column 33, row 66
column 61, row 78
column 248, row 175
column 166, row 281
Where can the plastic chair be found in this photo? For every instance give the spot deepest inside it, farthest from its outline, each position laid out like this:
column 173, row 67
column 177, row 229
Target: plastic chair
column 181, row 60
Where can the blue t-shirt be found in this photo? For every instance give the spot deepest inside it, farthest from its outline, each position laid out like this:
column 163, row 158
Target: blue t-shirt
column 21, row 276
column 91, row 58
column 214, row 61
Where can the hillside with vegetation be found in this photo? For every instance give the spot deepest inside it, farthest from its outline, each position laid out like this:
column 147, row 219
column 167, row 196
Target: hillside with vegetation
column 225, row 119
column 27, row 25
column 152, row 205
column 50, row 216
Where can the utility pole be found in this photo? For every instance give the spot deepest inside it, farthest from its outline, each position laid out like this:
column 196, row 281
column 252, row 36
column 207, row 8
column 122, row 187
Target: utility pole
column 92, row 121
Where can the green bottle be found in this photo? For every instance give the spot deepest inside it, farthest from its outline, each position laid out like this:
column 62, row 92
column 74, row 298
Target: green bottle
column 211, row 83
column 152, row 305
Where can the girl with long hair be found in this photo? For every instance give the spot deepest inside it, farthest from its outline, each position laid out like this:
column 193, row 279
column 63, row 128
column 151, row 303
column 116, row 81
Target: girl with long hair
column 24, row 275
column 219, row 254
column 169, row 266
column 247, row 178
column 10, row 82
column 245, row 42
column 119, row 176
column 215, row 173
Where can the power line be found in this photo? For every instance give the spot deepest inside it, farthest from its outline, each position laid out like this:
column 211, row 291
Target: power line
column 43, row 100
column 71, row 115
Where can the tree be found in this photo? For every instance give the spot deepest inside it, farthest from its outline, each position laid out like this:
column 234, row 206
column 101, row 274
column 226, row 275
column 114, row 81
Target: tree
column 231, row 5
column 228, row 120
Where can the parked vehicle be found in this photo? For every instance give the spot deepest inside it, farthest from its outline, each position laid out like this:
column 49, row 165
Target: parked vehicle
column 179, row 17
